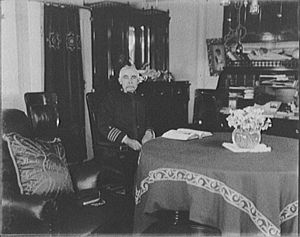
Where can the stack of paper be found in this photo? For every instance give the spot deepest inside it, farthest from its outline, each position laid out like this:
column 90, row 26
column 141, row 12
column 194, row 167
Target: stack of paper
column 278, row 81
column 249, row 93
column 185, row 134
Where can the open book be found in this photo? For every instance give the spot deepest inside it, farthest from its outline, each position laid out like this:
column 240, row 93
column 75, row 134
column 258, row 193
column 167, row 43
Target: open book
column 185, row 134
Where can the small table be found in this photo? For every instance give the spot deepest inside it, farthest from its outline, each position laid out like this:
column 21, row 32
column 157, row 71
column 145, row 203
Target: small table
column 242, row 193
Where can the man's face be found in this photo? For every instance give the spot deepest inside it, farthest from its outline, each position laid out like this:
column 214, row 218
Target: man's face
column 129, row 80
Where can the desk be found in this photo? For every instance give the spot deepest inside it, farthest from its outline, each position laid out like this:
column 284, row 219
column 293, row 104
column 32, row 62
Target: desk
column 253, row 193
column 276, row 114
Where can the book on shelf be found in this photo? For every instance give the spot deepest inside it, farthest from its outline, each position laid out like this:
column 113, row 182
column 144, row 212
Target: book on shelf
column 185, row 134
column 241, row 92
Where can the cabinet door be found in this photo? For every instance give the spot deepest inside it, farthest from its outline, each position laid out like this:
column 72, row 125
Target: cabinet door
column 167, row 104
column 159, row 47
column 160, row 107
column 109, row 41
column 179, row 105
column 178, row 114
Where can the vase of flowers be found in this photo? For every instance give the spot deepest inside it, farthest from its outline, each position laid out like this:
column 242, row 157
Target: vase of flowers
column 248, row 124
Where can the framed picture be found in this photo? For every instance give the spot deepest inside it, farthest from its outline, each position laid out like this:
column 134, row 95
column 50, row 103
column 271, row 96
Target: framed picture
column 216, row 56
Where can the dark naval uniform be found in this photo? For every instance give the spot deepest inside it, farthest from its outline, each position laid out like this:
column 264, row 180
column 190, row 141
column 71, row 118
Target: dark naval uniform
column 124, row 114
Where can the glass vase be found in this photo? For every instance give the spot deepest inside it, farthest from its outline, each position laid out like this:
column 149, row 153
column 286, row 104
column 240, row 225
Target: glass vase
column 245, row 139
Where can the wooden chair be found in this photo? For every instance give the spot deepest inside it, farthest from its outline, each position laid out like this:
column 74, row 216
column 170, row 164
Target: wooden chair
column 109, row 154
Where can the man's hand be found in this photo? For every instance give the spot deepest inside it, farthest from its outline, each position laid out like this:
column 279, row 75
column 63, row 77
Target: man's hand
column 147, row 137
column 132, row 143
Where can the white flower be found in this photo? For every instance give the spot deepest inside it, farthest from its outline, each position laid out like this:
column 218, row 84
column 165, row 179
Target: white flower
column 250, row 119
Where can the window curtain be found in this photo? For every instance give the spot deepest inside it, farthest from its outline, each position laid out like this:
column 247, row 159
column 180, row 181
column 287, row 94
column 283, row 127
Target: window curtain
column 64, row 76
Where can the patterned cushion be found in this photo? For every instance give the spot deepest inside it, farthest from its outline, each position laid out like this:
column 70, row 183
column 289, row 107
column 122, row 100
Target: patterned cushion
column 40, row 166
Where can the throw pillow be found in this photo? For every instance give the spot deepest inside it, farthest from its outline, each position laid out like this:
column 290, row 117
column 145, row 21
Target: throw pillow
column 40, row 166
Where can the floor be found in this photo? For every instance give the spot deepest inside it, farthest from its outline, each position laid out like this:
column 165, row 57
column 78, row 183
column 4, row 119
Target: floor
column 124, row 217
column 167, row 226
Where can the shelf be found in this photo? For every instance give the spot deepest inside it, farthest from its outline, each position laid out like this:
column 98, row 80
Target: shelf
column 281, row 64
column 255, row 70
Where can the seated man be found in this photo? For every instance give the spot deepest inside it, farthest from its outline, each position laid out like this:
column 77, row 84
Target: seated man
column 123, row 119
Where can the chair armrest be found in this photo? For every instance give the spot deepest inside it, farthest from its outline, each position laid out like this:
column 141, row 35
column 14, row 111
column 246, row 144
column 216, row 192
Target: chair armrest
column 114, row 146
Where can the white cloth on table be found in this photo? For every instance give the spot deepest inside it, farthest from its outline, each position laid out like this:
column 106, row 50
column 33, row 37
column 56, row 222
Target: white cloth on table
column 234, row 148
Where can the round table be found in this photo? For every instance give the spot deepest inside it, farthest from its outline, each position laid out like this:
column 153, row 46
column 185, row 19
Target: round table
column 236, row 192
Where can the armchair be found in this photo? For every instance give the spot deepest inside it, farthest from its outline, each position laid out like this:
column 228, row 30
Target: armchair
column 20, row 213
column 33, row 214
column 43, row 114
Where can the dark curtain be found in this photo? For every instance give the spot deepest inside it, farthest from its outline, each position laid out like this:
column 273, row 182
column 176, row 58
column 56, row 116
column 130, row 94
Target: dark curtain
column 63, row 75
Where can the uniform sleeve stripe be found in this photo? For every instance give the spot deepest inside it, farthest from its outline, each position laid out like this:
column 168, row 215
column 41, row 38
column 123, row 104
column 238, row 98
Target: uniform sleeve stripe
column 109, row 135
column 113, row 134
column 116, row 135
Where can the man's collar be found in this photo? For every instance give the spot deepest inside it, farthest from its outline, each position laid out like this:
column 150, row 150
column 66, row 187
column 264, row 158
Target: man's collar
column 132, row 93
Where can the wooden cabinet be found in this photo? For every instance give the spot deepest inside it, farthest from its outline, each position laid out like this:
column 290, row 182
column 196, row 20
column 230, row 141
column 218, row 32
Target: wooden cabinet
column 120, row 33
column 167, row 103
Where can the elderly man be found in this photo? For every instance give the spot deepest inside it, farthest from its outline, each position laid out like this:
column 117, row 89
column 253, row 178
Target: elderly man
column 123, row 118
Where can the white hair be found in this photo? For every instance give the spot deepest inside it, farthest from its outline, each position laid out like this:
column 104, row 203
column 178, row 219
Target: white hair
column 126, row 68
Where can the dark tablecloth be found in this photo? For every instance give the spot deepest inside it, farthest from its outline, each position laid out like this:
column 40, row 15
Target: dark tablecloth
column 236, row 192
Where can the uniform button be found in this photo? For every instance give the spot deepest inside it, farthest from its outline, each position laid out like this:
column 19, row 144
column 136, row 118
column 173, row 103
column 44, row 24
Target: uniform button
column 138, row 126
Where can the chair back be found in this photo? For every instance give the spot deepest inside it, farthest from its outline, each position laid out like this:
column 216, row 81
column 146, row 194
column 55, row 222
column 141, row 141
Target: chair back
column 94, row 100
column 109, row 155
column 42, row 110
column 14, row 120
column 205, row 111
column 91, row 103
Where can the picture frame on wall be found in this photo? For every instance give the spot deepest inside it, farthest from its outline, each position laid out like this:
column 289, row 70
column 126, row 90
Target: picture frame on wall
column 216, row 56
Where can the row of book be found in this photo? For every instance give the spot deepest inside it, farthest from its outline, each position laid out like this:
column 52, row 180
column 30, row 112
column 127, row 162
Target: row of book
column 241, row 92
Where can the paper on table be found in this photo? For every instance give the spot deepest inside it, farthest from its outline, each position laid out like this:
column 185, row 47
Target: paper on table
column 185, row 134
column 234, row 148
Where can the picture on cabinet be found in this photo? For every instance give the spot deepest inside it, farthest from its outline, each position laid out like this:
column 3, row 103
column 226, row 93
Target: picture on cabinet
column 216, row 56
